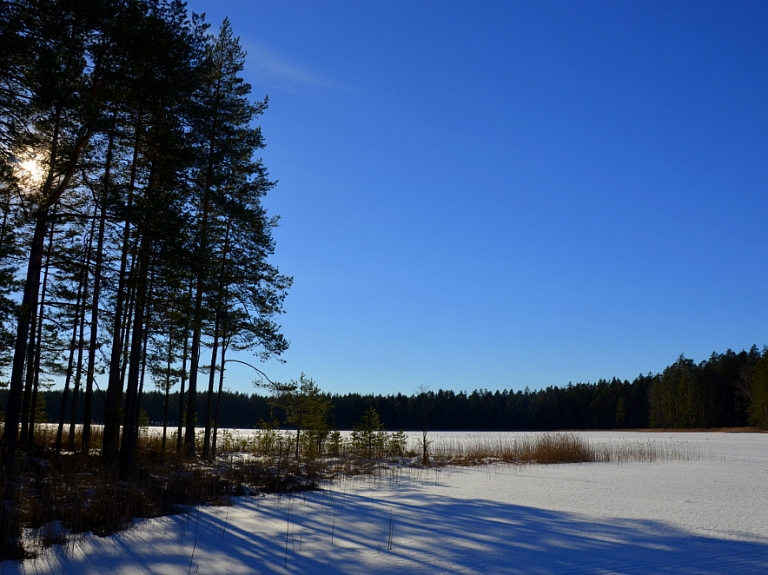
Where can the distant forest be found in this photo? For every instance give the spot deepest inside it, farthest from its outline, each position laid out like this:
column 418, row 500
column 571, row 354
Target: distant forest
column 726, row 390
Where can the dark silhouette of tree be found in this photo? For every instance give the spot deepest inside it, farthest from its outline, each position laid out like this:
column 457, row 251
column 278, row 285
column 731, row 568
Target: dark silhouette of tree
column 124, row 125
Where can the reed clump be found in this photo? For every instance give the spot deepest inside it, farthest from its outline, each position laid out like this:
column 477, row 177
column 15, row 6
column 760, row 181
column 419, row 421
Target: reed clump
column 543, row 448
column 649, row 451
column 556, row 448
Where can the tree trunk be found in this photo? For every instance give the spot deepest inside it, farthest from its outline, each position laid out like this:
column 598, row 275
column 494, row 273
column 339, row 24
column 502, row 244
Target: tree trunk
column 29, row 379
column 70, row 369
column 220, row 301
column 111, row 439
column 38, row 347
column 211, row 382
column 218, row 400
column 189, row 437
column 79, row 366
column 92, row 348
column 169, row 361
column 130, row 416
column 33, row 360
column 179, row 435
column 147, row 320
column 26, row 317
column 140, row 395
column 165, row 412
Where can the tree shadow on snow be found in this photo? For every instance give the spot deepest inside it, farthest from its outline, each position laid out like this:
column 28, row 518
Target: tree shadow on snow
column 411, row 531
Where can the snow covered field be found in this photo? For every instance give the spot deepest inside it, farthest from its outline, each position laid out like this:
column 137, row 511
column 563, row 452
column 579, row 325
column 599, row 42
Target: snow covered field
column 700, row 517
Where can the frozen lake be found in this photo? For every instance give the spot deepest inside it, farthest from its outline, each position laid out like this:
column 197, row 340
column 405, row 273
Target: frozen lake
column 703, row 516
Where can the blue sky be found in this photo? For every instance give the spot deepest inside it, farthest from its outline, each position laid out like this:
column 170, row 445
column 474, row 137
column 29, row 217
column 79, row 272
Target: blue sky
column 508, row 194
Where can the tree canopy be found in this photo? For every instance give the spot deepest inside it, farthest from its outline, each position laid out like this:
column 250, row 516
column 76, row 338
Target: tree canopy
column 128, row 143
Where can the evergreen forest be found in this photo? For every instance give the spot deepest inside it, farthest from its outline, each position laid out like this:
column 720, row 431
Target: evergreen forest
column 726, row 390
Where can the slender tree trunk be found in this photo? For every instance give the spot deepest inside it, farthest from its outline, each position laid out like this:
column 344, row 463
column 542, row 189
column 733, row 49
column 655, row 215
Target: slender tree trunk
column 26, row 317
column 92, row 348
column 191, row 411
column 211, row 382
column 36, row 366
column 4, row 227
column 29, row 379
column 189, row 437
column 33, row 360
column 140, row 395
column 114, row 398
column 128, row 452
column 78, row 367
column 169, row 361
column 181, row 390
column 165, row 416
column 70, row 369
column 197, row 316
column 220, row 301
column 218, row 399
column 128, row 324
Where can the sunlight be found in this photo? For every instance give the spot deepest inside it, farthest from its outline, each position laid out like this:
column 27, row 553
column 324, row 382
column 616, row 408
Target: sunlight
column 32, row 171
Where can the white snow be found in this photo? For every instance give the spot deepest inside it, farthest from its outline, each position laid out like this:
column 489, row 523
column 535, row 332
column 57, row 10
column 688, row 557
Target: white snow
column 708, row 516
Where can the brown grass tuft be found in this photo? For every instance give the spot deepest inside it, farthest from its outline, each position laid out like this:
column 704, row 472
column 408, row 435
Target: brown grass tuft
column 554, row 448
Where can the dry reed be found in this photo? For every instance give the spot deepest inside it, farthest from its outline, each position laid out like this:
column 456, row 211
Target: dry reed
column 553, row 448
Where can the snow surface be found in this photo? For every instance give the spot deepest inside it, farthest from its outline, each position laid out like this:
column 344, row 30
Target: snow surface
column 708, row 516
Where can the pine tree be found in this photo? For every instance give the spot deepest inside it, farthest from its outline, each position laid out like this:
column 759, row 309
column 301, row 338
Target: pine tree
column 369, row 436
column 69, row 59
column 230, row 219
column 127, row 134
column 303, row 405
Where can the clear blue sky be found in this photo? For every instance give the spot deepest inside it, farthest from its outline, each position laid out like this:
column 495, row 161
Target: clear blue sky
column 509, row 194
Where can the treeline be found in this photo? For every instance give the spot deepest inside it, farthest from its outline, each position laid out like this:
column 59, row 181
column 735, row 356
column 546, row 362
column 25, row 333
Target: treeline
column 602, row 405
column 133, row 241
column 726, row 390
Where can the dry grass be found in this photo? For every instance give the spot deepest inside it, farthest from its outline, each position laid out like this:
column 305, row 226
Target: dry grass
column 700, row 430
column 553, row 448
column 649, row 451
column 55, row 498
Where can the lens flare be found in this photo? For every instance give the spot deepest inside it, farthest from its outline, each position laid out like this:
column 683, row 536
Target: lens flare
column 32, row 170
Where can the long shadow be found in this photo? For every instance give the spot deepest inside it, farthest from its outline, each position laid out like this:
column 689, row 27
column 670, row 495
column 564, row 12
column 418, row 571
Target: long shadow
column 408, row 531
column 435, row 533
